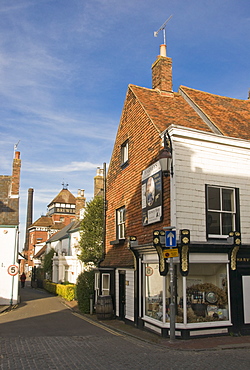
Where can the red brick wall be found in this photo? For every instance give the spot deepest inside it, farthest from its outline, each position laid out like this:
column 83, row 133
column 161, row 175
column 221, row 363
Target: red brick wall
column 124, row 184
column 16, row 174
column 67, row 218
column 162, row 74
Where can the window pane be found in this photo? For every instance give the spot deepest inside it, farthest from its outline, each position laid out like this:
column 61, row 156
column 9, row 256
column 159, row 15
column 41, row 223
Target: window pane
column 153, row 298
column 124, row 152
column 105, row 281
column 227, row 223
column 213, row 198
column 213, row 222
column 120, row 223
column 227, row 199
column 206, row 295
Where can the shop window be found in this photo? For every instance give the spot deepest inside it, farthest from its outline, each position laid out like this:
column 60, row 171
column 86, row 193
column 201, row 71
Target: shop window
column 124, row 153
column 154, row 292
column 105, row 284
column 206, row 293
column 120, row 223
column 221, row 211
column 200, row 297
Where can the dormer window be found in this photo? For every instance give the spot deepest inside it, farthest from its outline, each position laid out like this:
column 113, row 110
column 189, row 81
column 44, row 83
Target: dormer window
column 124, row 153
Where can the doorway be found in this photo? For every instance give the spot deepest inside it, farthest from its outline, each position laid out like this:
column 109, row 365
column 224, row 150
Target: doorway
column 122, row 294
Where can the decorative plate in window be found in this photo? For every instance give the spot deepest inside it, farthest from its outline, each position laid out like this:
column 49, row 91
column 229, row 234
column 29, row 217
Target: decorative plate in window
column 211, row 297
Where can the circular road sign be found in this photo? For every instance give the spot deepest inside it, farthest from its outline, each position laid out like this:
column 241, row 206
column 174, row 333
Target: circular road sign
column 13, row 270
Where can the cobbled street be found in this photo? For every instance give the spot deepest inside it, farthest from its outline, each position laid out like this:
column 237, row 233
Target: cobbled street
column 43, row 333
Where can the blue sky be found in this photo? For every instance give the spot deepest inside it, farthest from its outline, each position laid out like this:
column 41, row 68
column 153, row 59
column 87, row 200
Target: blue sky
column 65, row 67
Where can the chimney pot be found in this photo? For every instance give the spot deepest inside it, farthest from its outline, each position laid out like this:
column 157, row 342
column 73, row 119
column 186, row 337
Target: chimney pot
column 163, row 50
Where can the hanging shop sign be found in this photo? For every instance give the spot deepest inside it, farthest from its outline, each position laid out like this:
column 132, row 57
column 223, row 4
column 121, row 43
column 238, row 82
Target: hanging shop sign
column 152, row 194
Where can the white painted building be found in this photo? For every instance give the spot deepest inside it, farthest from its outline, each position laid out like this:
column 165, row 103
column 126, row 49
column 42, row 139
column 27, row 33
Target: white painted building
column 66, row 266
column 9, row 235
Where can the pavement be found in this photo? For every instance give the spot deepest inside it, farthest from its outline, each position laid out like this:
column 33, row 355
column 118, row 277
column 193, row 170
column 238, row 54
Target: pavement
column 194, row 344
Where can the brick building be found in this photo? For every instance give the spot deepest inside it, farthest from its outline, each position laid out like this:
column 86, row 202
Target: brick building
column 202, row 195
column 62, row 211
column 9, row 234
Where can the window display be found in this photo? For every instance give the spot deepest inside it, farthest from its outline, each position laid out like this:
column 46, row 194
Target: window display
column 200, row 297
column 153, row 287
column 206, row 293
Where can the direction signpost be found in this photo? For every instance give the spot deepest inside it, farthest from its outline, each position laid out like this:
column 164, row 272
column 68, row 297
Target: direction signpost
column 171, row 243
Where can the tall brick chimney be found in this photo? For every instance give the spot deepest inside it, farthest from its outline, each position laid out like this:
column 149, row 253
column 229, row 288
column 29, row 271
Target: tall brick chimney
column 29, row 218
column 98, row 182
column 80, row 203
column 15, row 180
column 162, row 71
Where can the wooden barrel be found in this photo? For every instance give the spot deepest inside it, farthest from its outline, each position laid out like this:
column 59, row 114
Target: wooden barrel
column 104, row 307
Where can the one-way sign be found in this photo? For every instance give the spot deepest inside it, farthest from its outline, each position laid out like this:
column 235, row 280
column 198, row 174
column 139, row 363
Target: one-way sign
column 171, row 238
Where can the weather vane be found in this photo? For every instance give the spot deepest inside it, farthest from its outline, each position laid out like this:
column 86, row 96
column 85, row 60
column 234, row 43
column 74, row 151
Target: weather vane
column 15, row 147
column 163, row 28
column 65, row 185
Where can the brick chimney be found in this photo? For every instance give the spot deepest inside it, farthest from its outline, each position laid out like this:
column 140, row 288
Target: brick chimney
column 80, row 203
column 15, row 179
column 162, row 71
column 98, row 182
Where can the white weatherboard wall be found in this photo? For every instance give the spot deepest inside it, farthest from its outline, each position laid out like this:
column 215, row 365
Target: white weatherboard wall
column 129, row 291
column 9, row 285
column 201, row 159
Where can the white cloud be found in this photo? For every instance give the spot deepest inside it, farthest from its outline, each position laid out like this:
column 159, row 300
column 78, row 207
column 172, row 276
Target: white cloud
column 71, row 167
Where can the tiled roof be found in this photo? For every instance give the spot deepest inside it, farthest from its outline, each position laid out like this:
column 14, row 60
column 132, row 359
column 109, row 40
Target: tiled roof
column 65, row 196
column 47, row 221
column 118, row 256
column 165, row 109
column 230, row 116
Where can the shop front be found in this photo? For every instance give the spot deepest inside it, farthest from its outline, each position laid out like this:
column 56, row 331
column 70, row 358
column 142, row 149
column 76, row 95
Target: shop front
column 202, row 298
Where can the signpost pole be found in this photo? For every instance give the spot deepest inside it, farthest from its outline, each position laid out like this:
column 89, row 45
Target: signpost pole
column 171, row 243
column 172, row 303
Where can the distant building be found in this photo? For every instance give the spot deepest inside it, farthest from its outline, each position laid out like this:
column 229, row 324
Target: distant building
column 9, row 234
column 62, row 211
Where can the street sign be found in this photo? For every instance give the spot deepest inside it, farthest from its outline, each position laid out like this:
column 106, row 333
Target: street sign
column 167, row 253
column 12, row 270
column 171, row 238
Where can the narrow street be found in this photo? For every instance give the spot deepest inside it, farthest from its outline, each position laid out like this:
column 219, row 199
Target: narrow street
column 43, row 333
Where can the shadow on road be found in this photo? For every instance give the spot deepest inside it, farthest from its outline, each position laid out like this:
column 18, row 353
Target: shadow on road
column 43, row 314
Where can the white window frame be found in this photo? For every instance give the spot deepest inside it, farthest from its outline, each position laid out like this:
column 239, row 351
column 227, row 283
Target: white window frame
column 120, row 223
column 221, row 211
column 124, row 152
column 105, row 285
column 97, row 285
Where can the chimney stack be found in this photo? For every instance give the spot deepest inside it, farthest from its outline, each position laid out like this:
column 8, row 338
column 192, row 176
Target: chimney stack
column 162, row 71
column 29, row 218
column 98, row 182
column 15, row 180
column 80, row 203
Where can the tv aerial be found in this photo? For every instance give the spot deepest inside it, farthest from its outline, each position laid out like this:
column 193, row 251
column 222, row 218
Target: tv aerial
column 163, row 28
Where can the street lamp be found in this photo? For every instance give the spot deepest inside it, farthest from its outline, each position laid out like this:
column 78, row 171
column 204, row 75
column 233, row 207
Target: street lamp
column 165, row 157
